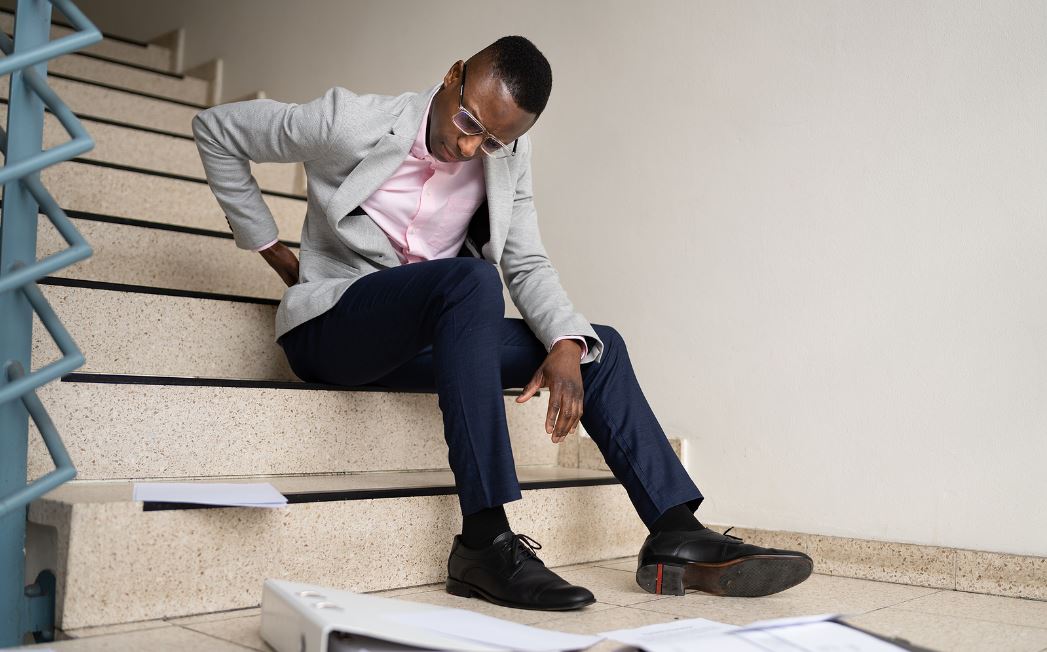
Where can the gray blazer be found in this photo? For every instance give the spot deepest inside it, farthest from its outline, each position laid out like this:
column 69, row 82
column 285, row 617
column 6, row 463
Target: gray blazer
column 350, row 144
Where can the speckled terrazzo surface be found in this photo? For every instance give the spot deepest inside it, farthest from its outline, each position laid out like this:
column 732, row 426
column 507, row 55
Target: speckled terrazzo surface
column 217, row 559
column 159, row 258
column 85, row 187
column 157, row 152
column 186, row 89
column 91, row 100
column 154, row 431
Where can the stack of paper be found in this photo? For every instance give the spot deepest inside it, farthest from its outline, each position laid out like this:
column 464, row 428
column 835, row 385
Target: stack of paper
column 257, row 494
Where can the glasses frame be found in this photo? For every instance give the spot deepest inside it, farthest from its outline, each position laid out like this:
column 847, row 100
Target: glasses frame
column 506, row 153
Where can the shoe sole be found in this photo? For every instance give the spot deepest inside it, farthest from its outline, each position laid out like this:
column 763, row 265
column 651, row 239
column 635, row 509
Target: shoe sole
column 748, row 577
column 465, row 590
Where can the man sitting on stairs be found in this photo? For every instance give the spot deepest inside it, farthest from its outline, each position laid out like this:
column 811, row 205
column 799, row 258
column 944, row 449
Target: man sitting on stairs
column 412, row 201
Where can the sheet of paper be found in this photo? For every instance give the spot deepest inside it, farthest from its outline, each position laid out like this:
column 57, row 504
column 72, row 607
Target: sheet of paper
column 255, row 494
column 812, row 637
column 668, row 636
column 786, row 622
column 494, row 631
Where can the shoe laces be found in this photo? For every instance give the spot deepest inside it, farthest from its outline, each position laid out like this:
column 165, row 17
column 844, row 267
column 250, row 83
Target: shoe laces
column 731, row 536
column 525, row 545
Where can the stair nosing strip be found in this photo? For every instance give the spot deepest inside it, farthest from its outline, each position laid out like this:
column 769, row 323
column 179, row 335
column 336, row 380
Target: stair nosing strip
column 121, row 89
column 297, row 498
column 235, row 383
column 171, row 175
column 162, row 226
column 150, row 289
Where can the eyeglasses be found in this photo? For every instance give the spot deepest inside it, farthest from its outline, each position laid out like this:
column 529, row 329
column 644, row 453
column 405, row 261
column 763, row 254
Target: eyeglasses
column 470, row 126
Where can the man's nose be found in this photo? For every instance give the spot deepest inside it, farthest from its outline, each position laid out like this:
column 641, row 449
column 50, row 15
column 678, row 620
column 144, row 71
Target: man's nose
column 469, row 144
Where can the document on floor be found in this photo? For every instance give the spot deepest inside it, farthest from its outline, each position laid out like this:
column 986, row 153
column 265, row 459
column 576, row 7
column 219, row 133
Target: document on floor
column 227, row 494
column 489, row 630
column 806, row 634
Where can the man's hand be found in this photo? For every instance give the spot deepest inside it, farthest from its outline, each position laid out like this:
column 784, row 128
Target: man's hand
column 562, row 374
column 283, row 261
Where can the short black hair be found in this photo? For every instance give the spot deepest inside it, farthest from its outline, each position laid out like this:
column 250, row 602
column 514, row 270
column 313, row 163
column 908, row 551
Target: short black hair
column 524, row 70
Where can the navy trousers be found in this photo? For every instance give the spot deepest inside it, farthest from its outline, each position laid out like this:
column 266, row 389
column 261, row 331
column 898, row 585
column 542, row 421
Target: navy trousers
column 440, row 325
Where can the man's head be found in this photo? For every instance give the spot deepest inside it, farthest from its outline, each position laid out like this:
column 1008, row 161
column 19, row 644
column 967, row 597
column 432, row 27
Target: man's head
column 507, row 85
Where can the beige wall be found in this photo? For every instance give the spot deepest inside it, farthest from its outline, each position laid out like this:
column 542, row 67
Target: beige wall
column 819, row 225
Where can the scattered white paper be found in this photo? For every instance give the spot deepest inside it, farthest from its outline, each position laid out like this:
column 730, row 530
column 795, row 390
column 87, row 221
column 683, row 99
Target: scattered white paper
column 477, row 627
column 811, row 637
column 668, row 635
column 787, row 622
column 229, row 494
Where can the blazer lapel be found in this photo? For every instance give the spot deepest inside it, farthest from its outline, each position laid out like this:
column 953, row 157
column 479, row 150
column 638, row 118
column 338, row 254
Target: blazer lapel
column 379, row 164
column 500, row 194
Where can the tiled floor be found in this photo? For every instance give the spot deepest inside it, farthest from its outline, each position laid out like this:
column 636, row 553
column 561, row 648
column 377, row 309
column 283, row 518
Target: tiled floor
column 941, row 620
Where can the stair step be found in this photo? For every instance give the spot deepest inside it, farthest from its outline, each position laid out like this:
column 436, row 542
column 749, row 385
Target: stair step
column 126, row 427
column 87, row 99
column 152, row 152
column 142, row 254
column 117, row 563
column 126, row 331
column 94, row 188
column 180, row 88
column 142, row 54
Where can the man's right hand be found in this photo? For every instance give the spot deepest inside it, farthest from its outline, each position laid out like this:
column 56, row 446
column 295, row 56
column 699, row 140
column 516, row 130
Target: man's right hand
column 283, row 261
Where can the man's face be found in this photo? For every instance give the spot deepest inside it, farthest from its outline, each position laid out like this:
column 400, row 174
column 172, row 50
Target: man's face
column 487, row 98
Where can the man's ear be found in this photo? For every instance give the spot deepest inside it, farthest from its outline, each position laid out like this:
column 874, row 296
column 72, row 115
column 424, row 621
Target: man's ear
column 454, row 74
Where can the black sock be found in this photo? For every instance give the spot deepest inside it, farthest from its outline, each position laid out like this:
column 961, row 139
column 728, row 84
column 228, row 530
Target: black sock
column 480, row 528
column 676, row 518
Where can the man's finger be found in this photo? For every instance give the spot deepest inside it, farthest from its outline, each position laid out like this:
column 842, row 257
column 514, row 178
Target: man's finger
column 531, row 387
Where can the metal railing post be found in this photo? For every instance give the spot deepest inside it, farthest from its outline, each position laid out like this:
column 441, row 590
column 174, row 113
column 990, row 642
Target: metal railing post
column 24, row 609
column 25, row 119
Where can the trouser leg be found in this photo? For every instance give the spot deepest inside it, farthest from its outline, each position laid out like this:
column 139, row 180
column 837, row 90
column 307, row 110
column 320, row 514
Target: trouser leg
column 453, row 309
column 616, row 415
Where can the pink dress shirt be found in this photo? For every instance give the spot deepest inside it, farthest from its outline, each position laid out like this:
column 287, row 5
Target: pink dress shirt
column 425, row 207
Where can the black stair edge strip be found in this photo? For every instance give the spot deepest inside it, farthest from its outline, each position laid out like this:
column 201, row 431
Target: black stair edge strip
column 130, row 91
column 188, row 381
column 162, row 226
column 111, row 37
column 118, row 123
column 295, row 498
column 150, row 289
column 171, row 175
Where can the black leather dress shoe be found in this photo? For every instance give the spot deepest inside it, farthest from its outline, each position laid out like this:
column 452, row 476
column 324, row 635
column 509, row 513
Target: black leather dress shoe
column 509, row 573
column 671, row 562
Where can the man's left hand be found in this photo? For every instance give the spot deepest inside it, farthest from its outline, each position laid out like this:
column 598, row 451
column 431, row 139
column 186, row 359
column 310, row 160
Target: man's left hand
column 562, row 374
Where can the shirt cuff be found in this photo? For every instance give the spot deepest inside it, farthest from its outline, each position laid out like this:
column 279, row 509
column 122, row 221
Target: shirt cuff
column 266, row 246
column 585, row 346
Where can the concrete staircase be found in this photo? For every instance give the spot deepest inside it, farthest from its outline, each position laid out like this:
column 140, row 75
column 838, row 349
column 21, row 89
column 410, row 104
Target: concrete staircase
column 184, row 381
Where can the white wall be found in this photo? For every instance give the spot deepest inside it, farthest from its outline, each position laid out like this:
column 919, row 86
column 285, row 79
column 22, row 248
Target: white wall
column 819, row 225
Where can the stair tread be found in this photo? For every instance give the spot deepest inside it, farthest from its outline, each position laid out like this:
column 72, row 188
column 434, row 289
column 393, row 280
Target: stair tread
column 120, row 491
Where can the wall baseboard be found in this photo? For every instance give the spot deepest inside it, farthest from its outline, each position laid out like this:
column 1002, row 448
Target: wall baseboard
column 955, row 569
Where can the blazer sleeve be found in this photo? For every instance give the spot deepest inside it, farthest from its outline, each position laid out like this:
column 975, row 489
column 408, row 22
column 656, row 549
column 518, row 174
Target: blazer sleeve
column 229, row 136
column 533, row 282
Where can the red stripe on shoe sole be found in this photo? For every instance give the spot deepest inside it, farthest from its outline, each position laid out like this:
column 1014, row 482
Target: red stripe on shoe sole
column 658, row 583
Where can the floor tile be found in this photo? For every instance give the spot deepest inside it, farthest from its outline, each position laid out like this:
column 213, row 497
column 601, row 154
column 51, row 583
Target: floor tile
column 628, row 564
column 244, row 630
column 522, row 616
column 605, row 620
column 610, row 586
column 819, row 594
column 976, row 606
column 102, row 630
column 952, row 633
column 161, row 639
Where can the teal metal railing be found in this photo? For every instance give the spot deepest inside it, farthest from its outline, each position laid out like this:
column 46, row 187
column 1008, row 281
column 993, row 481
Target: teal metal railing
column 25, row 609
